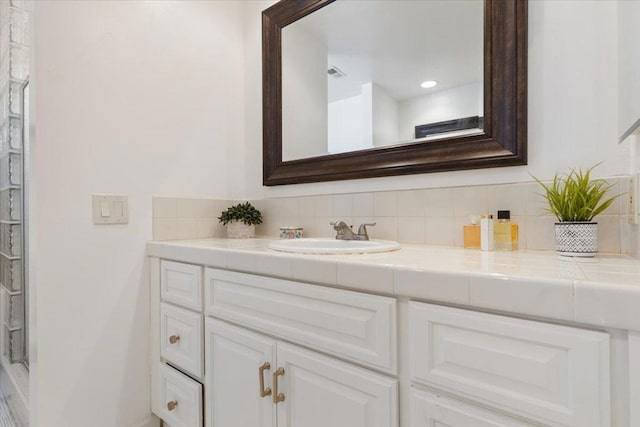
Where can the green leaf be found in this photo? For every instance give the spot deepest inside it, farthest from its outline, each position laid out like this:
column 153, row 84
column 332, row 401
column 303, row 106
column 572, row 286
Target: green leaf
column 574, row 196
column 243, row 212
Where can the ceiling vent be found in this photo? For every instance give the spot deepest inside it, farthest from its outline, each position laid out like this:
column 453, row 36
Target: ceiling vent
column 335, row 72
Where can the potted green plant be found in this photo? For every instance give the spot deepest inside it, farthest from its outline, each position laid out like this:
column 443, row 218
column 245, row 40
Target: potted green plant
column 241, row 220
column 575, row 199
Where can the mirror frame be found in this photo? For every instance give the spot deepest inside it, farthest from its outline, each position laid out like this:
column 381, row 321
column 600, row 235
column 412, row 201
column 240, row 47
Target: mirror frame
column 502, row 143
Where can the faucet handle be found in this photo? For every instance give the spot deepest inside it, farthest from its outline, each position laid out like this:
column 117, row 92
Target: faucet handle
column 362, row 230
column 338, row 224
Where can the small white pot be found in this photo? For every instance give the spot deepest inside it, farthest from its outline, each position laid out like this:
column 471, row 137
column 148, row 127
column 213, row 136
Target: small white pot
column 240, row 230
column 577, row 239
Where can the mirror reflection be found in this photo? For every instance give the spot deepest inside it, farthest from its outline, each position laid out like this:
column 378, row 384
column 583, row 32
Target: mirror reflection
column 359, row 75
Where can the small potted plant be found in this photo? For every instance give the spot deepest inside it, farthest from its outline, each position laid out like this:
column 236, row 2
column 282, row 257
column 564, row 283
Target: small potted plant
column 575, row 199
column 241, row 220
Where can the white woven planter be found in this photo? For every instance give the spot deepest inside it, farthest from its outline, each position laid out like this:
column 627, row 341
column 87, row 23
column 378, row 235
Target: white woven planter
column 240, row 230
column 578, row 239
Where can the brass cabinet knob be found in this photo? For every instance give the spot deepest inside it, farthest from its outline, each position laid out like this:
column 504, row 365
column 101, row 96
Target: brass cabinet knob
column 172, row 405
column 174, row 339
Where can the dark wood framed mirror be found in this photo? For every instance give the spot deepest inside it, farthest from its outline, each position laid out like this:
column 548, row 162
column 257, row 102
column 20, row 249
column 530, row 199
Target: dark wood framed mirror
column 502, row 141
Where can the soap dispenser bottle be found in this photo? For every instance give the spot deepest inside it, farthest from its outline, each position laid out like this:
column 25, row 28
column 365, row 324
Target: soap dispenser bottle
column 505, row 232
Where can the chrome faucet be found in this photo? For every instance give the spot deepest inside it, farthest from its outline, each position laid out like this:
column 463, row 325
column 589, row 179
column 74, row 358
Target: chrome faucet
column 344, row 232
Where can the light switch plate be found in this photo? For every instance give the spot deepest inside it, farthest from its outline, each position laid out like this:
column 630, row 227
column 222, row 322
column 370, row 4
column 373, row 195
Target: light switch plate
column 110, row 209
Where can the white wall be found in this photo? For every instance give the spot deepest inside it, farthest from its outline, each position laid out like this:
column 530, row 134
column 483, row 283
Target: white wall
column 629, row 64
column 304, row 93
column 572, row 104
column 346, row 125
column 384, row 111
column 367, row 120
column 136, row 98
column 450, row 104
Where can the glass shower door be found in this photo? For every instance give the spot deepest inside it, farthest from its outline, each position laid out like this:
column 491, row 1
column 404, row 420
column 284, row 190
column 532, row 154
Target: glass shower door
column 14, row 69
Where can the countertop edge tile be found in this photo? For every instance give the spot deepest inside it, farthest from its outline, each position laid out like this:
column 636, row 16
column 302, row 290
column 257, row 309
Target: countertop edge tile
column 546, row 286
column 612, row 305
column 369, row 277
column 444, row 286
column 542, row 297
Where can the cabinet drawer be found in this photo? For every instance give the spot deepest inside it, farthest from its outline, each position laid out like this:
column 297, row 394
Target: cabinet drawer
column 181, row 284
column 179, row 399
column 430, row 409
column 352, row 325
column 554, row 374
column 181, row 338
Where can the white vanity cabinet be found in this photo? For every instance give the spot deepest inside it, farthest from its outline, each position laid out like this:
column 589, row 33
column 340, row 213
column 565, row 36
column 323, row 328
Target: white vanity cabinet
column 273, row 352
column 234, row 349
column 253, row 380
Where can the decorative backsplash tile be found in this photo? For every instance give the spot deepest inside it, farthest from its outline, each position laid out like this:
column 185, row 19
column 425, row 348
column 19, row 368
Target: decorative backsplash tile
column 421, row 216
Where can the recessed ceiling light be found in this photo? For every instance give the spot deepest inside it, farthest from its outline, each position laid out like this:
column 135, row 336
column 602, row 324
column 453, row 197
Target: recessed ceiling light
column 428, row 84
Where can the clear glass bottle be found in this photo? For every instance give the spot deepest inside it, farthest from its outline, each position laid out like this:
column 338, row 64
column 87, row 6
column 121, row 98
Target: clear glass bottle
column 505, row 232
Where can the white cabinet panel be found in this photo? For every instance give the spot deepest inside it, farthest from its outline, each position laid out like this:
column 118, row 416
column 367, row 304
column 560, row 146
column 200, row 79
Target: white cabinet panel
column 232, row 385
column 181, row 338
column 179, row 399
column 634, row 378
column 181, row 284
column 320, row 391
column 352, row 325
column 428, row 409
column 555, row 374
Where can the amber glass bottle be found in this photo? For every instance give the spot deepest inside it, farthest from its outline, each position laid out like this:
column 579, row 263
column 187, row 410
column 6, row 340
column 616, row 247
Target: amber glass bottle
column 471, row 233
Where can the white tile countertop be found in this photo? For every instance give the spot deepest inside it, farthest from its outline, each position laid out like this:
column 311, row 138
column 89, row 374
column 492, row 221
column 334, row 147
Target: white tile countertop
column 602, row 291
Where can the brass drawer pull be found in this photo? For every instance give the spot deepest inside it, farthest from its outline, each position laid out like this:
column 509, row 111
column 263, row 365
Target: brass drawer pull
column 172, row 405
column 277, row 397
column 174, row 339
column 264, row 391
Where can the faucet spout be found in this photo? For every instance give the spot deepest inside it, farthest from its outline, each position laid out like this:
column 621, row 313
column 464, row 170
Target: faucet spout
column 344, row 232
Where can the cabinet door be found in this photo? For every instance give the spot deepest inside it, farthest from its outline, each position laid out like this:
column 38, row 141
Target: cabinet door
column 320, row 391
column 232, row 377
column 429, row 409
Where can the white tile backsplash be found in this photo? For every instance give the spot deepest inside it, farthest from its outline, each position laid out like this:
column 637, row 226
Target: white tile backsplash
column 386, row 204
column 342, row 205
column 507, row 197
column 470, row 201
column 421, row 216
column 363, row 205
column 439, row 202
column 411, row 230
column 165, row 207
column 188, row 218
column 412, row 203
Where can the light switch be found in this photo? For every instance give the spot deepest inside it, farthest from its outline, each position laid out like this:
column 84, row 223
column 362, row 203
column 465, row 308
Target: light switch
column 104, row 209
column 118, row 209
column 110, row 209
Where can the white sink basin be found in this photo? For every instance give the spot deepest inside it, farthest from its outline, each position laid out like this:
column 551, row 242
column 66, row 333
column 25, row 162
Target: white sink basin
column 333, row 246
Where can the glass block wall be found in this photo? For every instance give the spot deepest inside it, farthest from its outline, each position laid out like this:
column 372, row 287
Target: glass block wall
column 14, row 72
